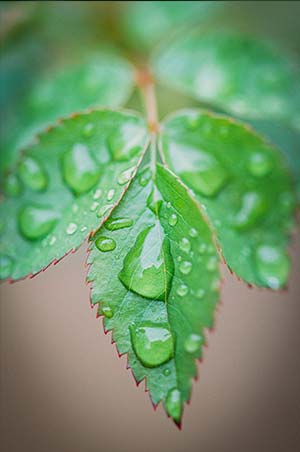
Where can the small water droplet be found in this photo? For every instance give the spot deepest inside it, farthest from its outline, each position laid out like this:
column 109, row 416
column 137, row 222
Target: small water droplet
column 148, row 267
column 193, row 232
column 36, row 222
column 88, row 129
column 202, row 248
column 259, row 164
column 104, row 209
column 272, row 265
column 253, row 207
column 81, row 172
column 174, row 404
column 75, row 208
column 192, row 343
column 125, row 176
column 182, row 290
column 107, row 312
column 97, row 194
column 179, row 258
column 71, row 228
column 152, row 343
column 200, row 294
column 114, row 224
column 212, row 264
column 110, row 194
column 169, row 205
column 173, row 219
column 52, row 240
column 83, row 229
column 185, row 245
column 12, row 186
column 105, row 244
column 185, row 267
column 94, row 206
column 167, row 372
column 6, row 266
column 145, row 177
column 32, row 174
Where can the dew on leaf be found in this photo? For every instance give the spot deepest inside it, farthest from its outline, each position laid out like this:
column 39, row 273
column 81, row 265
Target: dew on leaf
column 259, row 164
column 110, row 194
column 272, row 265
column 83, row 229
column 104, row 209
column 88, row 130
column 107, row 312
column 152, row 343
column 125, row 176
column 193, row 232
column 75, row 208
column 200, row 294
column 94, row 206
column 52, row 240
column 71, row 228
column 32, row 174
column 185, row 245
column 12, row 186
column 148, row 267
column 253, row 207
column 35, row 222
column 173, row 404
column 114, row 224
column 185, row 267
column 182, row 290
column 173, row 219
column 202, row 248
column 6, row 266
column 81, row 172
column 192, row 343
column 145, row 177
column 155, row 200
column 167, row 372
column 105, row 244
column 212, row 264
column 97, row 194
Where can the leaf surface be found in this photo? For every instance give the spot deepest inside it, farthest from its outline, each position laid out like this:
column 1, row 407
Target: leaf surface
column 100, row 80
column 241, row 75
column 64, row 186
column 243, row 186
column 155, row 276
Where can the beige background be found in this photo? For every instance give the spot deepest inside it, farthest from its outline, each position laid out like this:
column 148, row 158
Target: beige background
column 64, row 388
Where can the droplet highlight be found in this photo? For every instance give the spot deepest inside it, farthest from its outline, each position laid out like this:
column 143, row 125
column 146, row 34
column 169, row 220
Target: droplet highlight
column 192, row 343
column 105, row 244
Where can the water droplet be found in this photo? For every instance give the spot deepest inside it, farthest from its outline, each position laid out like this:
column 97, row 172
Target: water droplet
column 36, row 222
column 182, row 290
column 192, row 343
column 155, row 200
column 169, row 205
column 71, row 228
column 173, row 219
column 148, row 267
column 110, row 194
column 52, row 240
column 32, row 174
column 97, row 194
column 167, row 372
column 12, row 186
column 6, row 266
column 185, row 245
column 94, row 206
column 105, row 244
column 107, row 312
column 125, row 176
column 212, row 264
column 259, row 164
column 179, row 258
column 272, row 265
column 174, row 404
column 202, row 248
column 121, row 145
column 193, row 232
column 75, row 208
column 83, row 229
column 185, row 267
column 114, row 224
column 152, row 343
column 145, row 177
column 200, row 294
column 81, row 172
column 104, row 209
column 88, row 129
column 253, row 207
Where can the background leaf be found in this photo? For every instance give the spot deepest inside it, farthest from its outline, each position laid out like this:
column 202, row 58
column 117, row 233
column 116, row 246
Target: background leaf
column 245, row 190
column 64, row 186
column 157, row 283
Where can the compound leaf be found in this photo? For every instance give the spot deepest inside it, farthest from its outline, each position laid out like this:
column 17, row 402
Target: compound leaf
column 245, row 190
column 65, row 185
column 100, row 80
column 154, row 275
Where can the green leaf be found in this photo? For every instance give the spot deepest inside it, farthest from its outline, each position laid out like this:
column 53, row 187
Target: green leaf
column 146, row 23
column 156, row 282
column 245, row 190
column 65, row 185
column 100, row 80
column 241, row 75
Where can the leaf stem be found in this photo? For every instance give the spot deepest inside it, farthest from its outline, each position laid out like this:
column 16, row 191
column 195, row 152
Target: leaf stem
column 145, row 83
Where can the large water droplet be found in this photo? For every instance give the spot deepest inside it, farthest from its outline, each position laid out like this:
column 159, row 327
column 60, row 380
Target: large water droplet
column 81, row 172
column 185, row 267
column 174, row 404
column 32, row 174
column 6, row 266
column 12, row 186
column 192, row 343
column 272, row 265
column 105, row 244
column 253, row 207
column 148, row 267
column 36, row 222
column 259, row 164
column 152, row 343
column 114, row 224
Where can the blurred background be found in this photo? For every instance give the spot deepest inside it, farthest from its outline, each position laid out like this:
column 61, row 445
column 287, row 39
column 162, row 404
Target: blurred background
column 63, row 387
